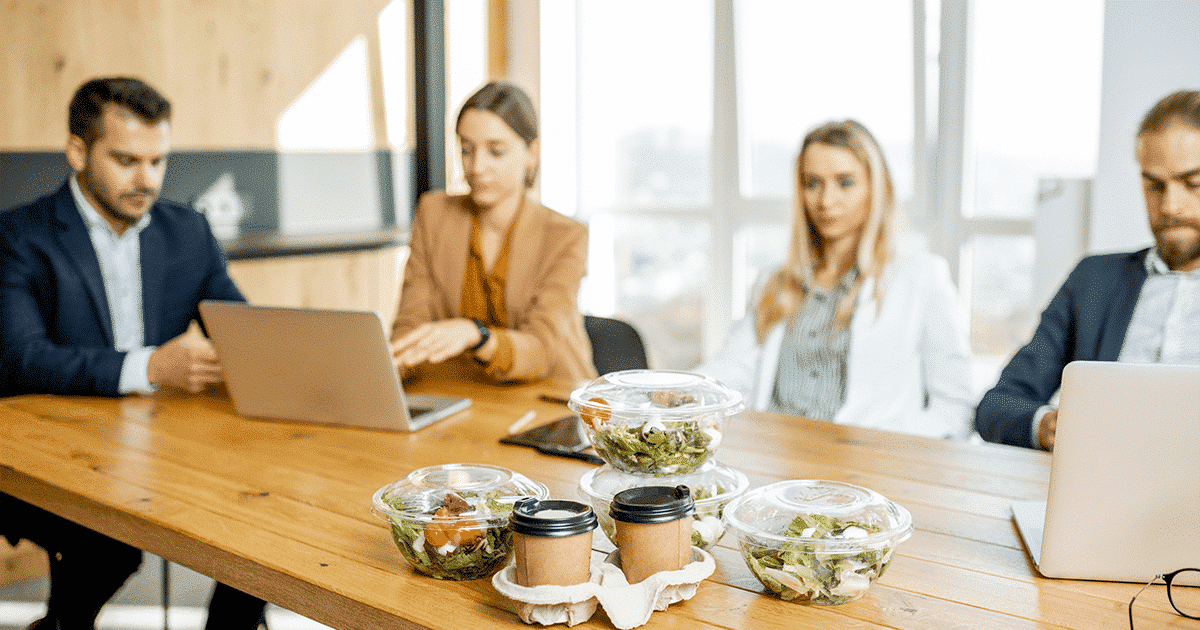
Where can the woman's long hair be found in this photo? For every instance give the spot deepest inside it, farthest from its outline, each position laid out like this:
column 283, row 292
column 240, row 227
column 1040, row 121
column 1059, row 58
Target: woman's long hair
column 785, row 291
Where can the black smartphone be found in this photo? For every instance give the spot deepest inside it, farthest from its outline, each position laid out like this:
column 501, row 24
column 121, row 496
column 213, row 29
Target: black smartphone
column 564, row 437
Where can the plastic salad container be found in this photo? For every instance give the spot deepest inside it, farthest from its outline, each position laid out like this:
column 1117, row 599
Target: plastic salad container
column 655, row 422
column 451, row 521
column 713, row 486
column 823, row 542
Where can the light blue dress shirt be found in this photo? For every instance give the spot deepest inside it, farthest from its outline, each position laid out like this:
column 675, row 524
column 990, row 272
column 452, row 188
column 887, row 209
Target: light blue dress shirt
column 1165, row 327
column 120, row 261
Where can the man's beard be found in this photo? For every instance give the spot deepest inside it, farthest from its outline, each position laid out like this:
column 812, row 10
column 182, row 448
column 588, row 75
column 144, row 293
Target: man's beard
column 1177, row 250
column 107, row 203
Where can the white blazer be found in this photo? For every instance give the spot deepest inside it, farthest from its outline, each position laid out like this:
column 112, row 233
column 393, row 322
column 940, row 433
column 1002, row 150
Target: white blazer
column 909, row 366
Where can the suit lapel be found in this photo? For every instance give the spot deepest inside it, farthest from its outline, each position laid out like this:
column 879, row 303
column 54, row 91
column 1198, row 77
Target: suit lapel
column 452, row 266
column 523, row 256
column 75, row 242
column 153, row 259
column 1129, row 288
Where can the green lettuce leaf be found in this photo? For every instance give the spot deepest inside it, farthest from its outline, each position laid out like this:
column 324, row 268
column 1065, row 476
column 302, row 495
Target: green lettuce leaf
column 804, row 572
column 677, row 450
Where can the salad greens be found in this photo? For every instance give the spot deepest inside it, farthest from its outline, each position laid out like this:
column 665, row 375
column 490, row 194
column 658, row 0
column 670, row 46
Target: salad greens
column 475, row 559
column 654, row 448
column 707, row 528
column 817, row 572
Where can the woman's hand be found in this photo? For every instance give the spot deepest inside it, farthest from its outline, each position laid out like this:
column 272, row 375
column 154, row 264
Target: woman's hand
column 434, row 342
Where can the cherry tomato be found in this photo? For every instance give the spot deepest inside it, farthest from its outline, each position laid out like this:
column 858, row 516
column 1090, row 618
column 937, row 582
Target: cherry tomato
column 597, row 413
column 442, row 530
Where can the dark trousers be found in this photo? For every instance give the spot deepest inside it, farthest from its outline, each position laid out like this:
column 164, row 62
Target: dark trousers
column 88, row 568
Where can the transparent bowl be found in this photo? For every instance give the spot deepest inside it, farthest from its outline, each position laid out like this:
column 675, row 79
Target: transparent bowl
column 823, row 542
column 655, row 422
column 471, row 539
column 713, row 486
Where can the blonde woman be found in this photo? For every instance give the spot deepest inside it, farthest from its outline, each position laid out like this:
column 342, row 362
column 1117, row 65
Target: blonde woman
column 848, row 329
column 492, row 276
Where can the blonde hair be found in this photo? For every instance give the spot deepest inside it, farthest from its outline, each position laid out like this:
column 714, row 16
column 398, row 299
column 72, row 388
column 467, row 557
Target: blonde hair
column 785, row 291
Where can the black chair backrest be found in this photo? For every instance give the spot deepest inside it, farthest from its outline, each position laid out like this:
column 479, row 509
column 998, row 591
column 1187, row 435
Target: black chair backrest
column 616, row 345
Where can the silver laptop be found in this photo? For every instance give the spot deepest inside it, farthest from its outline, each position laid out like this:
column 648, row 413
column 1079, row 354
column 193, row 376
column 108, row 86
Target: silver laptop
column 1124, row 501
column 312, row 365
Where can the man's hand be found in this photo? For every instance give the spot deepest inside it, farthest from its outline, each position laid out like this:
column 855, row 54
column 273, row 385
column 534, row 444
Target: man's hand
column 434, row 342
column 1046, row 429
column 188, row 361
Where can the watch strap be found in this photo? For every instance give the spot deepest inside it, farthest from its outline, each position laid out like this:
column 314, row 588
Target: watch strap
column 485, row 333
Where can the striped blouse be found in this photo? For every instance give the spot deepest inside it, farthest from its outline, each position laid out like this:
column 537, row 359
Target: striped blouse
column 811, row 380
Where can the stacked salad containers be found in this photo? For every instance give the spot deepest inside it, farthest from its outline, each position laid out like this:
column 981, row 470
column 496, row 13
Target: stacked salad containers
column 660, row 428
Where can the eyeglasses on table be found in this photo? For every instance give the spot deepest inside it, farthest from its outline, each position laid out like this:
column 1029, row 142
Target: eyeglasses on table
column 1184, row 598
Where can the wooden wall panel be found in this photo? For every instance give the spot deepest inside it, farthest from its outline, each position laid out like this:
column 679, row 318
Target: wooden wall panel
column 230, row 67
column 365, row 280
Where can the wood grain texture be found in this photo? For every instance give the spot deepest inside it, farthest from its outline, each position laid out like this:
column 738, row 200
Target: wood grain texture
column 367, row 280
column 282, row 510
column 229, row 67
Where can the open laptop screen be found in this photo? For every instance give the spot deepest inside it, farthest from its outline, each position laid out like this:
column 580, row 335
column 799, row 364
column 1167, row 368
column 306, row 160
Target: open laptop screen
column 314, row 365
column 1124, row 500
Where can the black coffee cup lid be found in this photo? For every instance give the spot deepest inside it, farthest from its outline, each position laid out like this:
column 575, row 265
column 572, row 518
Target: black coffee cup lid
column 652, row 504
column 551, row 518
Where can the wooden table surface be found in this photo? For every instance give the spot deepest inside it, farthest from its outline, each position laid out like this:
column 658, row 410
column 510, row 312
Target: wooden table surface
column 282, row 510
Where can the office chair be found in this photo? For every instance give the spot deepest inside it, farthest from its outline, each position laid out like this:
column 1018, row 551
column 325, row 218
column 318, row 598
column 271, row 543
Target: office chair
column 616, row 345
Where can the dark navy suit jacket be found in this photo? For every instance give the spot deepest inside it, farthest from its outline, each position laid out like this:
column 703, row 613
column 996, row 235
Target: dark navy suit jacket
column 1086, row 321
column 55, row 329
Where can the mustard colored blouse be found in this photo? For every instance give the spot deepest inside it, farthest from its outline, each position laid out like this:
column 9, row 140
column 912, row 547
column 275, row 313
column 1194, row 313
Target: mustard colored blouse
column 483, row 295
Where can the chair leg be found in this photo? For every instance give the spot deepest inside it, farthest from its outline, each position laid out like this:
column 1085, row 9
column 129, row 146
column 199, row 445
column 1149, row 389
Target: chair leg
column 166, row 593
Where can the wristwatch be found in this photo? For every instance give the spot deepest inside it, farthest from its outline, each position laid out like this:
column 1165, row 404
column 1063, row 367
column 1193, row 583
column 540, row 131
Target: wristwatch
column 485, row 333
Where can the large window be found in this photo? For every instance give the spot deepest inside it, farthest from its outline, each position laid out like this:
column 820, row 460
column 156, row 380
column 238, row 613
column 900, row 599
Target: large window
column 1034, row 118
column 645, row 86
column 466, row 72
column 687, row 118
column 796, row 70
column 644, row 147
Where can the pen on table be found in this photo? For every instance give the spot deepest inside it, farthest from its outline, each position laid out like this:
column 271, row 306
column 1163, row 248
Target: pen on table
column 554, row 399
column 522, row 421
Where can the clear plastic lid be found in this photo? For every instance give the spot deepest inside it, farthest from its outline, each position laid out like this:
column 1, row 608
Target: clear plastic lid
column 484, row 487
column 846, row 512
column 713, row 482
column 663, row 394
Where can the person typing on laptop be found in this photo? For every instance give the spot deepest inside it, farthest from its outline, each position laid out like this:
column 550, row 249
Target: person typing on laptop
column 99, row 287
column 493, row 276
column 1141, row 307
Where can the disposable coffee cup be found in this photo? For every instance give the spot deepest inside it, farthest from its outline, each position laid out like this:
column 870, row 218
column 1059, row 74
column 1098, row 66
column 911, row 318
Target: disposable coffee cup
column 654, row 529
column 553, row 542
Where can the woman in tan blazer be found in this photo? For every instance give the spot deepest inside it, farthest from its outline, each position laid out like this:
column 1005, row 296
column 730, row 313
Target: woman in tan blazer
column 492, row 277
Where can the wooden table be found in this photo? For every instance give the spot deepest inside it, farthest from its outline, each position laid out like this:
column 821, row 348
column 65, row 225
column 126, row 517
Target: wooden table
column 282, row 510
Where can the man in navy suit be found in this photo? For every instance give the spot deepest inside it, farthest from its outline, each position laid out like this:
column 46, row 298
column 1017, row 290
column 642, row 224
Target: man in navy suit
column 1139, row 307
column 99, row 291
